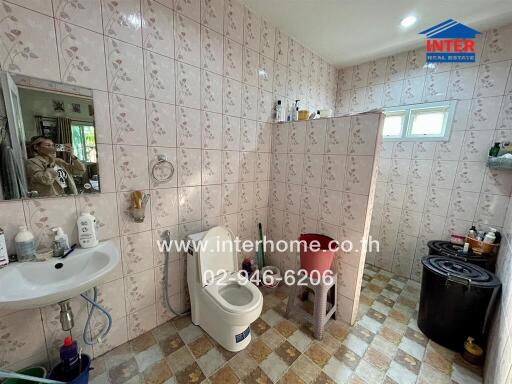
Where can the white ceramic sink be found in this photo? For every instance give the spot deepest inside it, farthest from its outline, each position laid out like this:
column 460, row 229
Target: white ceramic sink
column 37, row 284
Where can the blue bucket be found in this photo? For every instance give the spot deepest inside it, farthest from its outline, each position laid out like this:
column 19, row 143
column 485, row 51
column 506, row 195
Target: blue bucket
column 58, row 373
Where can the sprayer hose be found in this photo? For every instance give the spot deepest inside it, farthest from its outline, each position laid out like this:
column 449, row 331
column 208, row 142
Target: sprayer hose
column 87, row 335
column 167, row 251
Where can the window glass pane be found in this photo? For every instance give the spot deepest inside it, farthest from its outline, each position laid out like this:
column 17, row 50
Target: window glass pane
column 393, row 125
column 90, row 144
column 427, row 122
column 77, row 138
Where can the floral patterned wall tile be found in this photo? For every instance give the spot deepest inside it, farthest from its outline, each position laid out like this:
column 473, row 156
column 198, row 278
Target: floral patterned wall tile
column 212, row 14
column 127, row 120
column 160, row 124
column 124, row 68
column 212, row 48
column 159, row 78
column 141, row 321
column 22, row 335
column 137, row 252
column 122, row 20
column 131, row 167
column 189, row 8
column 157, row 28
column 87, row 14
column 139, row 290
column 187, row 40
column 80, row 61
column 233, row 20
column 28, row 43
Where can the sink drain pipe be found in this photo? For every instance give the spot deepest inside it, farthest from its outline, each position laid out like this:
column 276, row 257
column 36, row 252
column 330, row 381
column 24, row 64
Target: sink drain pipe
column 167, row 252
column 87, row 335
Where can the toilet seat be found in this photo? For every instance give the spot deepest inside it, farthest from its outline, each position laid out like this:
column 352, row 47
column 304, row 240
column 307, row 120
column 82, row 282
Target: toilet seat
column 234, row 295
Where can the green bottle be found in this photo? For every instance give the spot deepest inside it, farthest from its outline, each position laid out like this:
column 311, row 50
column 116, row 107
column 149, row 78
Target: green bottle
column 493, row 152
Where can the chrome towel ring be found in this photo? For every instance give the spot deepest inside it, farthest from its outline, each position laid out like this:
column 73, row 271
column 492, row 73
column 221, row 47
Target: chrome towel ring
column 162, row 170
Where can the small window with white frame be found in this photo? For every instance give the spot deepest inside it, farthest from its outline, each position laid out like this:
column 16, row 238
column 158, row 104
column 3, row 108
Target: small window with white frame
column 422, row 122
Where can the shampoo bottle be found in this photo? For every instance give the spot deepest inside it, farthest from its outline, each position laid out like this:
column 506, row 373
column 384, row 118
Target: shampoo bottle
column 25, row 245
column 87, row 236
column 4, row 257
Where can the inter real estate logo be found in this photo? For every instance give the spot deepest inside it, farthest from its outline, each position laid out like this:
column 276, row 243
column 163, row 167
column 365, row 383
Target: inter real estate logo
column 450, row 42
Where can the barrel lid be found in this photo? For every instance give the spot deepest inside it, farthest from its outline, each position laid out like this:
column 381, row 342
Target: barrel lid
column 460, row 271
column 444, row 248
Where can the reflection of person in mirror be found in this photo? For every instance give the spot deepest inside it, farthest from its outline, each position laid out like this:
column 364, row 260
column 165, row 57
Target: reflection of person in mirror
column 49, row 175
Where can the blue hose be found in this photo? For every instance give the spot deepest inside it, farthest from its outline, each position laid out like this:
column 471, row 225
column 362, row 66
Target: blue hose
column 89, row 340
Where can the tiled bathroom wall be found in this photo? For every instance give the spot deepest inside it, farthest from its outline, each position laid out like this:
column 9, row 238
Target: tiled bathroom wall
column 195, row 80
column 428, row 190
column 323, row 179
column 498, row 363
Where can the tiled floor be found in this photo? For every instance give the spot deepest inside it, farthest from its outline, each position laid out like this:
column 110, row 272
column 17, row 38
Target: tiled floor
column 384, row 346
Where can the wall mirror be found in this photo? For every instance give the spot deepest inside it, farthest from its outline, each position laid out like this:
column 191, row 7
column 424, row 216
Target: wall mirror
column 47, row 139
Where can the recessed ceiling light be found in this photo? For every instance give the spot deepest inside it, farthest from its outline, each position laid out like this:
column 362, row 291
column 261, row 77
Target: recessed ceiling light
column 408, row 21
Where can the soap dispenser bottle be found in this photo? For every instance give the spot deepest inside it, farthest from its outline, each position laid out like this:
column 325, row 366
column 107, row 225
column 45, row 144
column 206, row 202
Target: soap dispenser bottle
column 87, row 236
column 60, row 243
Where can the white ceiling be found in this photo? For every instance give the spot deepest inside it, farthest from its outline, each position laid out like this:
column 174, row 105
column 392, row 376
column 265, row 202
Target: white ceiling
column 346, row 32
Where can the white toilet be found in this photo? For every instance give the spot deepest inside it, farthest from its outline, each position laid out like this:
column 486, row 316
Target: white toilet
column 223, row 304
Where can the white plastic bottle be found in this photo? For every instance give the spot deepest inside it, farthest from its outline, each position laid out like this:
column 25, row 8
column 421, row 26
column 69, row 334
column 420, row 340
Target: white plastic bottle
column 490, row 237
column 60, row 242
column 295, row 112
column 61, row 237
column 25, row 244
column 4, row 257
column 87, row 236
column 279, row 111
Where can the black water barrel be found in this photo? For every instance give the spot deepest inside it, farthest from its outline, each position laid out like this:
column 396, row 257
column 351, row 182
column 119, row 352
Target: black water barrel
column 445, row 248
column 455, row 301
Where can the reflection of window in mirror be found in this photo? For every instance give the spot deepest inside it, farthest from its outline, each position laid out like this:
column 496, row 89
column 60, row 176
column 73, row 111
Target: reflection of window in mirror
column 84, row 142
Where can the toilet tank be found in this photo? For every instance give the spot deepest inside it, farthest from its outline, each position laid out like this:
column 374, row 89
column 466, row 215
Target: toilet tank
column 193, row 256
column 212, row 257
